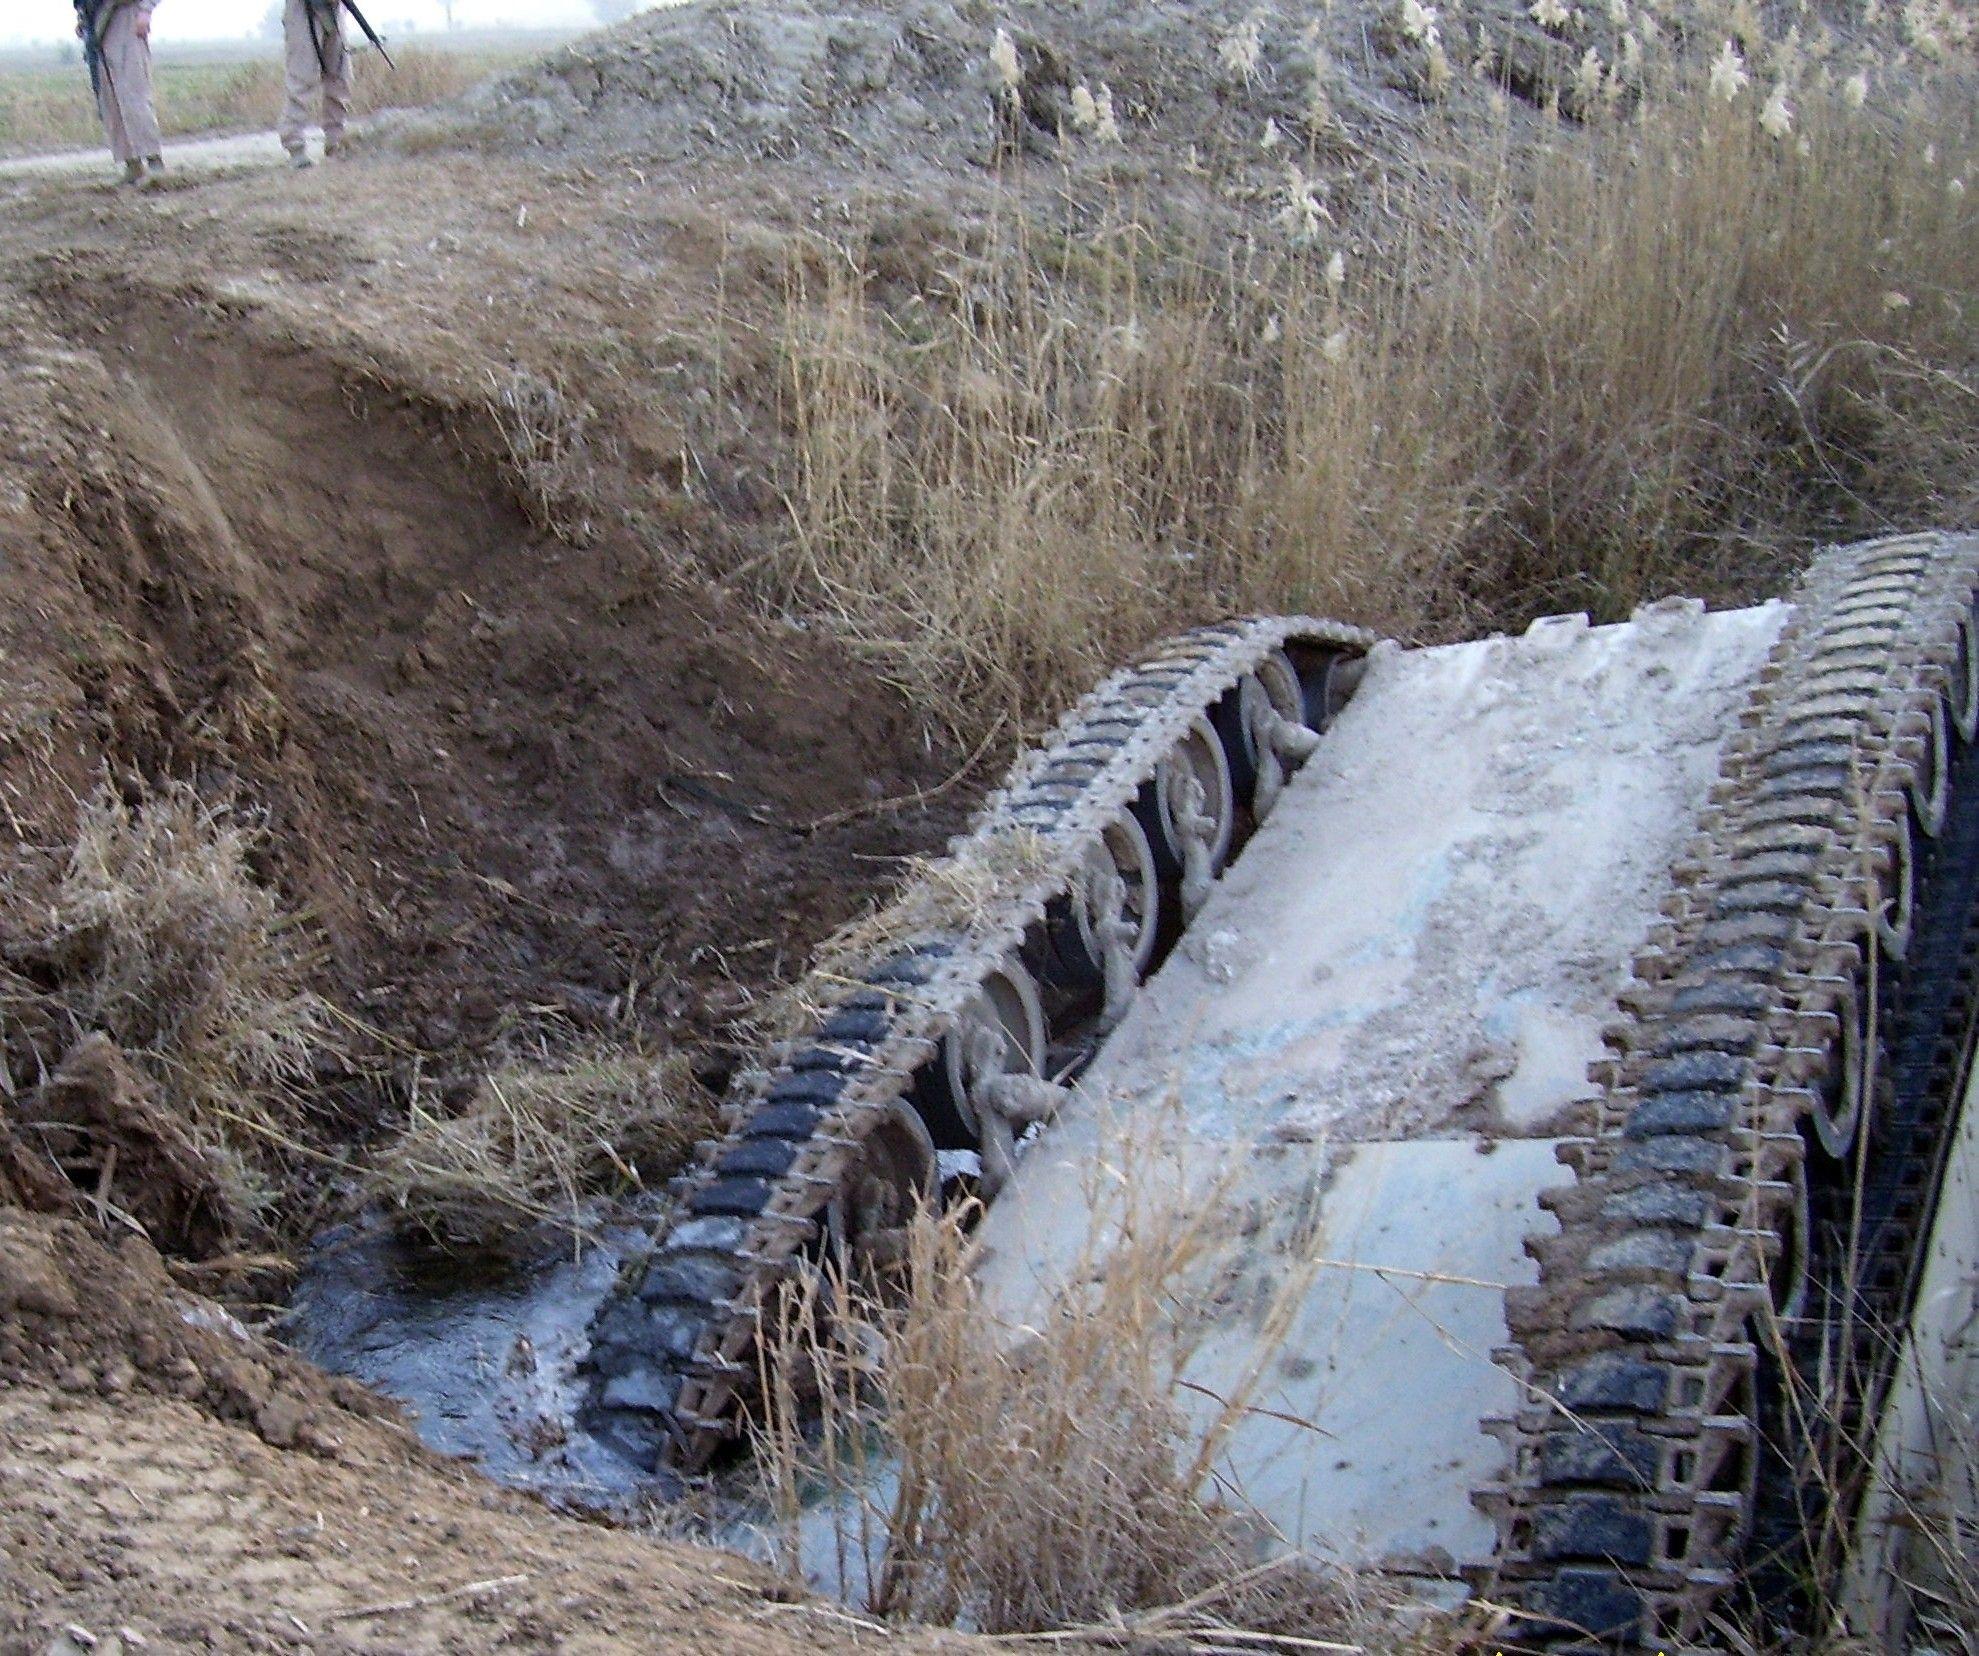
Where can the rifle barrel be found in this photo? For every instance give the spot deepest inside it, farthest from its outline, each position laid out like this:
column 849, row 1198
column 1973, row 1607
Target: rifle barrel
column 370, row 33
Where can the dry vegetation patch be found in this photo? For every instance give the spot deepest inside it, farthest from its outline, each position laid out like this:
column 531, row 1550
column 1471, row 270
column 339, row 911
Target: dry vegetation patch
column 152, row 937
column 933, row 897
column 546, row 439
column 539, row 1136
column 1559, row 371
column 1945, row 1525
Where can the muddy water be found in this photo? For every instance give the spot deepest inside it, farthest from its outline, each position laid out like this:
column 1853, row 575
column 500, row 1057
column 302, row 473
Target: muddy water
column 484, row 1355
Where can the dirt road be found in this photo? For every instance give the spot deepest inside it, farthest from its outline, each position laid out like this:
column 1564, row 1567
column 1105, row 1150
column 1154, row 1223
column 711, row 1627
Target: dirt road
column 199, row 155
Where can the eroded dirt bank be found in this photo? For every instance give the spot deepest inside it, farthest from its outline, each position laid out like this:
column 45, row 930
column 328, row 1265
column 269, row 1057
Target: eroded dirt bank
column 172, row 1482
column 581, row 775
column 512, row 784
column 509, row 782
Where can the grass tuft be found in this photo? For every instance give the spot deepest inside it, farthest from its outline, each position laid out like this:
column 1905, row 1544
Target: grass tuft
column 538, row 1137
column 154, row 932
column 1045, row 1479
column 935, row 897
column 547, row 440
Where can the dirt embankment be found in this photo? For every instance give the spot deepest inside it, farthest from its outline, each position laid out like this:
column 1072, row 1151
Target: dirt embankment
column 512, row 784
column 580, row 777
column 512, row 791
column 1186, row 108
column 168, row 1482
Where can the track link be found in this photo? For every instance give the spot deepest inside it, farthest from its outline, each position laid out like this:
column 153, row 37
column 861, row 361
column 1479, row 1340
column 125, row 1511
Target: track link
column 1746, row 1066
column 673, row 1356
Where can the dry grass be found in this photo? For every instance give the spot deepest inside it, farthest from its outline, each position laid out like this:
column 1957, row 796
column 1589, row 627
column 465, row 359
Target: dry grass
column 1932, row 1544
column 1565, row 369
column 547, row 440
column 155, row 931
column 539, row 1136
column 50, row 107
column 1022, row 1484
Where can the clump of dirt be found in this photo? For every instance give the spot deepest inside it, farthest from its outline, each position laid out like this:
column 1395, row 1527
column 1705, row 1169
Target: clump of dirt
column 109, row 1320
column 101, row 1123
column 166, row 989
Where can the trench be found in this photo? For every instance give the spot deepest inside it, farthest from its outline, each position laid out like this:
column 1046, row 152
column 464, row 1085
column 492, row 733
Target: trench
column 509, row 772
column 528, row 791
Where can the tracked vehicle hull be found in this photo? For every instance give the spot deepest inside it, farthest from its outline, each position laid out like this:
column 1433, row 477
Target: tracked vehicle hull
column 1740, row 1196
column 1351, row 1073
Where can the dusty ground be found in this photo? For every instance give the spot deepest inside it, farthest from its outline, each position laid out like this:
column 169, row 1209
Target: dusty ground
column 169, row 1482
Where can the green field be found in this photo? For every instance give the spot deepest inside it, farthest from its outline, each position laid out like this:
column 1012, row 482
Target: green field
column 236, row 86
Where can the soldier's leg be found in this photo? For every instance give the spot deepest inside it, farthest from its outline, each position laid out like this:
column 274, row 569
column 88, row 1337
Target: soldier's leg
column 336, row 89
column 129, row 59
column 301, row 74
column 114, row 134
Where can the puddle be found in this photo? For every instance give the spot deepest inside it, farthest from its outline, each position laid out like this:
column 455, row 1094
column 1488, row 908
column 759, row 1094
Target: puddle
column 484, row 1355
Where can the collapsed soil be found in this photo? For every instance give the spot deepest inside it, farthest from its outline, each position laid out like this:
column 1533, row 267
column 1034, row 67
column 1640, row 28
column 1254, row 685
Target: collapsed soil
column 591, row 777
column 508, row 778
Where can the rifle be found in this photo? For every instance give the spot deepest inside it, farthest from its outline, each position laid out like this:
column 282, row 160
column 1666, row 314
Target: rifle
column 370, row 33
column 87, row 12
column 316, row 34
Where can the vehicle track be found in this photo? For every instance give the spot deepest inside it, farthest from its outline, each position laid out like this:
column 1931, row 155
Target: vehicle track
column 1869, row 1219
column 1746, row 1073
column 1078, row 871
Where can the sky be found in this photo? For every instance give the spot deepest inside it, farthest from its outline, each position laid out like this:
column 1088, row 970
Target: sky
column 48, row 20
